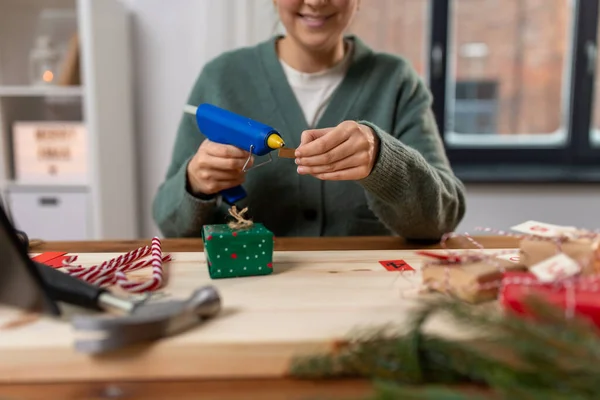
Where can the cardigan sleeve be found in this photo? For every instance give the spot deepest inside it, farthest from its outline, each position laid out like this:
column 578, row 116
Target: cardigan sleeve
column 412, row 188
column 176, row 211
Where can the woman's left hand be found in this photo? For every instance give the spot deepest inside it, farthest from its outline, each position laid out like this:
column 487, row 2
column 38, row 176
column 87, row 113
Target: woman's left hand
column 346, row 152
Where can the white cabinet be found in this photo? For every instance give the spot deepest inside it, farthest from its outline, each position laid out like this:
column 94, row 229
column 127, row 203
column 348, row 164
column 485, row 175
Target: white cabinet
column 90, row 86
column 42, row 213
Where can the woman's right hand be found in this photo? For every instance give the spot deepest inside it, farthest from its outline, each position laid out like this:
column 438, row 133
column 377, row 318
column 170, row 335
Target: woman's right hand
column 216, row 167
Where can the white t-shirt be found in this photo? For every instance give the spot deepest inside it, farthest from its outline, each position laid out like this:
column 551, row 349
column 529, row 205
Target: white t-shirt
column 314, row 90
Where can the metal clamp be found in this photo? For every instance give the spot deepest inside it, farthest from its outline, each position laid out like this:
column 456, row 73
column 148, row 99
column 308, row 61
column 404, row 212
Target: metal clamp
column 258, row 165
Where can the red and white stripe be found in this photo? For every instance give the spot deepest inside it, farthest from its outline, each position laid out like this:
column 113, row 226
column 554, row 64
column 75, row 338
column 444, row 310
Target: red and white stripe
column 153, row 283
column 113, row 263
column 111, row 279
column 113, row 271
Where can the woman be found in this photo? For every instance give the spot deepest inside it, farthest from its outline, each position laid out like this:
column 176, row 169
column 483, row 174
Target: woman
column 369, row 160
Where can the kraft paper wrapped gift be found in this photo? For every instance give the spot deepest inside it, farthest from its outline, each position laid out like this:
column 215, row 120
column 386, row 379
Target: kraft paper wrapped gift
column 473, row 282
column 586, row 251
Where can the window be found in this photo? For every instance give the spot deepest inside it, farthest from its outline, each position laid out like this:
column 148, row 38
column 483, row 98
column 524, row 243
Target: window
column 395, row 26
column 475, row 107
column 512, row 83
column 515, row 83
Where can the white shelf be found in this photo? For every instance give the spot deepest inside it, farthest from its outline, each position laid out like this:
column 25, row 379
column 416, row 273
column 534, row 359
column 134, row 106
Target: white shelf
column 33, row 91
column 105, row 205
column 59, row 187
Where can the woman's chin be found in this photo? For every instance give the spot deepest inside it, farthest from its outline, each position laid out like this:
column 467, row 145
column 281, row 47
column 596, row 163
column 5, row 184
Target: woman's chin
column 317, row 41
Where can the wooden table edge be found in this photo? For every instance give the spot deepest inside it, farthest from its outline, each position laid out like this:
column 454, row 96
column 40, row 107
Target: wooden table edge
column 281, row 244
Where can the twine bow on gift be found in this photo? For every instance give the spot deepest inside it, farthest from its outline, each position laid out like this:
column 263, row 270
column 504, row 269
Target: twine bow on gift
column 240, row 221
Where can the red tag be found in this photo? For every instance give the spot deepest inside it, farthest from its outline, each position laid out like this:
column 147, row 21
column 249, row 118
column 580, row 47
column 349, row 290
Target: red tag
column 52, row 259
column 396, row 265
column 439, row 256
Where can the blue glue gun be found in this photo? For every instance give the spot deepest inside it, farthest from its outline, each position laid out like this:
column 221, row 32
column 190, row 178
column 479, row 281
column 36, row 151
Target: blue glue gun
column 225, row 127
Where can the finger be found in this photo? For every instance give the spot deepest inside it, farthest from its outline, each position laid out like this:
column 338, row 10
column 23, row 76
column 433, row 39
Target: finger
column 224, row 164
column 323, row 143
column 225, row 151
column 354, row 160
column 218, row 186
column 206, row 175
column 344, row 150
column 349, row 174
column 312, row 134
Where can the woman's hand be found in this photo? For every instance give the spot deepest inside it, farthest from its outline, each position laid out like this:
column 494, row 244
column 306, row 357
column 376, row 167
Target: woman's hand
column 346, row 152
column 216, row 167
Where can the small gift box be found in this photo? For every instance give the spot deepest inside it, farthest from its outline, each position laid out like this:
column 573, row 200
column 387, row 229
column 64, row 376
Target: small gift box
column 472, row 279
column 238, row 249
column 544, row 241
column 586, row 251
column 580, row 297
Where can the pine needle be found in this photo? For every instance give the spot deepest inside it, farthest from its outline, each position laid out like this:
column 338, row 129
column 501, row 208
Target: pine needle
column 550, row 358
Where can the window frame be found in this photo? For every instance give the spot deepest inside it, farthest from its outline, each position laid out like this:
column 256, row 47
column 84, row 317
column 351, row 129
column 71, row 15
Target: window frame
column 576, row 161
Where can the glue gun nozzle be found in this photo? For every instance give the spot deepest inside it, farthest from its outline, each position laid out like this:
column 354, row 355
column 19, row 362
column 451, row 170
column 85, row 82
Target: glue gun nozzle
column 275, row 141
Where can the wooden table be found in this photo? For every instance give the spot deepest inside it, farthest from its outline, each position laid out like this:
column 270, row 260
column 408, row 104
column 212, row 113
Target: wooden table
column 264, row 389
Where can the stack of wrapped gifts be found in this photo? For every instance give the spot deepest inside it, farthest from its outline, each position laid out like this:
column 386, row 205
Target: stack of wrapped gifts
column 557, row 264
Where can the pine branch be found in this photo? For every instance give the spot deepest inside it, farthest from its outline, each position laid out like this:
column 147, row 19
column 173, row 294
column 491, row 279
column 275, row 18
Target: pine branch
column 551, row 357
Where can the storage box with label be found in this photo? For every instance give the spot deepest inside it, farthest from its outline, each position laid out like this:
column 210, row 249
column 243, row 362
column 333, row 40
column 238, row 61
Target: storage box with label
column 50, row 152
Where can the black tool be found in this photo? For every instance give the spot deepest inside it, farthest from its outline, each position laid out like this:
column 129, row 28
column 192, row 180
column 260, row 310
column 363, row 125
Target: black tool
column 71, row 290
column 36, row 287
column 21, row 285
column 23, row 238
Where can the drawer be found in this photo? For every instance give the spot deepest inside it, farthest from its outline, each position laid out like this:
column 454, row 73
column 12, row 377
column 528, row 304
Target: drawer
column 51, row 215
column 50, row 152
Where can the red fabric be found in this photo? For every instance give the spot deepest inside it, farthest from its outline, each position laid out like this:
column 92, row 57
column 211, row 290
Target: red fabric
column 586, row 302
column 51, row 258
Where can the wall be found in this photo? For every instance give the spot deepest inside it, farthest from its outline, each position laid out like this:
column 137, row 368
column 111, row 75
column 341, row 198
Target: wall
column 171, row 43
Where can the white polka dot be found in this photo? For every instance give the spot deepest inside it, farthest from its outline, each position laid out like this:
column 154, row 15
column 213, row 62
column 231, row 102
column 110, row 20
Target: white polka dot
column 244, row 245
column 256, row 256
column 263, row 240
column 218, row 256
column 244, row 267
column 260, row 245
column 263, row 252
column 221, row 236
column 225, row 248
column 219, row 271
column 230, row 270
column 259, row 267
column 247, row 257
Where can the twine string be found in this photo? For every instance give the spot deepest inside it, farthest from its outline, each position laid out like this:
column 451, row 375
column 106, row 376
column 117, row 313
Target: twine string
column 571, row 285
column 240, row 221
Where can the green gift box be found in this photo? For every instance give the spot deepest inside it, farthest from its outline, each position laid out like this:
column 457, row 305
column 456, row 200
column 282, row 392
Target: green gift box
column 232, row 252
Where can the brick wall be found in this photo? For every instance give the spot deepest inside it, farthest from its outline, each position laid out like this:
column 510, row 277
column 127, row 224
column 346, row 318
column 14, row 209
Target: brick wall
column 527, row 43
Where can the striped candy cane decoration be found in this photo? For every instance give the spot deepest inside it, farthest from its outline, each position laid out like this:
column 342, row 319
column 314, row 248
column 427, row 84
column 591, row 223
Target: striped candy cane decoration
column 112, row 278
column 157, row 273
column 108, row 272
column 112, row 264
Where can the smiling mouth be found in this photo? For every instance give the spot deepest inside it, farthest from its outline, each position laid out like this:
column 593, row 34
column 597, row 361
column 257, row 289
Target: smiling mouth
column 315, row 20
